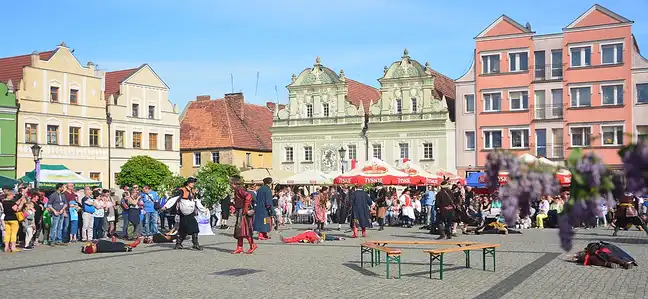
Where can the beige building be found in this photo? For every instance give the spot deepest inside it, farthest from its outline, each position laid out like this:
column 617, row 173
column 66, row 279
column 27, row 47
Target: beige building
column 62, row 109
column 144, row 121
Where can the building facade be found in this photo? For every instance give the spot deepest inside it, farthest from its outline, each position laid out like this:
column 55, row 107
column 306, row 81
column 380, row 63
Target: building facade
column 62, row 109
column 8, row 110
column 549, row 94
column 226, row 131
column 144, row 121
column 407, row 118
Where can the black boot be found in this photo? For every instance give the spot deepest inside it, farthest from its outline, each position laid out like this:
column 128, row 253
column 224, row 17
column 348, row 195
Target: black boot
column 441, row 230
column 179, row 240
column 194, row 240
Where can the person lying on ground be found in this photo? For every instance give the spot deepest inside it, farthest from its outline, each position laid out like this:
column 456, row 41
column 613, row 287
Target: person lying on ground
column 604, row 255
column 310, row 236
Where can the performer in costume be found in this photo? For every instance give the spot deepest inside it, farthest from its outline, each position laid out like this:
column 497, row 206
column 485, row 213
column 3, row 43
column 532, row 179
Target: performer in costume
column 360, row 202
column 263, row 210
column 187, row 206
column 444, row 204
column 342, row 211
column 243, row 211
column 626, row 213
column 320, row 207
column 381, row 203
column 605, row 255
column 310, row 236
column 103, row 246
column 407, row 208
column 161, row 238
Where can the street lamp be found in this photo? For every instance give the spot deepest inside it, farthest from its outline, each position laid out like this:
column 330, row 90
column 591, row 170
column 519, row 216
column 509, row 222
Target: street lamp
column 342, row 152
column 36, row 151
column 109, row 122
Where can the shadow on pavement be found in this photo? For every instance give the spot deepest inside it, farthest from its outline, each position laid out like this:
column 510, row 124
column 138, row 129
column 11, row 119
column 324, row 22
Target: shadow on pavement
column 625, row 240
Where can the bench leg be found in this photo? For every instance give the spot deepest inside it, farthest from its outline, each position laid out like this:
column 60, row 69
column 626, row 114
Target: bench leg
column 391, row 259
column 387, row 276
column 361, row 257
column 372, row 257
column 441, row 267
column 491, row 252
column 467, row 252
column 433, row 258
column 484, row 259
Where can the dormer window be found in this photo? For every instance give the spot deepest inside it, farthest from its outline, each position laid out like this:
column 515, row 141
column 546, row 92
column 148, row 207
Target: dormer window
column 399, row 106
column 309, row 110
column 414, row 105
column 325, row 109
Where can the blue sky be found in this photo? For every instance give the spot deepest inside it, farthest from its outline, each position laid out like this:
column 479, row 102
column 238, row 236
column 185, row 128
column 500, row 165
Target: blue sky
column 196, row 45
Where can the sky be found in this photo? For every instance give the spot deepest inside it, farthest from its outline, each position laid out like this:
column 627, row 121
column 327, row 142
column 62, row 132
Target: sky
column 197, row 46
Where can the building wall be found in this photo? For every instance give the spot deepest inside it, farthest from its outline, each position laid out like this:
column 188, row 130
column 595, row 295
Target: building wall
column 144, row 88
column 639, row 110
column 234, row 157
column 465, row 122
column 7, row 132
column 65, row 72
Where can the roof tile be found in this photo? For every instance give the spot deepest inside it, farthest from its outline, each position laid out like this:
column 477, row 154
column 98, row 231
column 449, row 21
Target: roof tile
column 11, row 68
column 114, row 79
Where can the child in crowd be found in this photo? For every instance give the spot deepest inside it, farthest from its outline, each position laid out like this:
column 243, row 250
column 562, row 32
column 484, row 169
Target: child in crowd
column 74, row 220
column 47, row 224
column 29, row 223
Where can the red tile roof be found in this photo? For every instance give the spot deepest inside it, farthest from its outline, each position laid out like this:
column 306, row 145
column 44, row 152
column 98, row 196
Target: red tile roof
column 226, row 123
column 115, row 78
column 443, row 85
column 361, row 93
column 11, row 68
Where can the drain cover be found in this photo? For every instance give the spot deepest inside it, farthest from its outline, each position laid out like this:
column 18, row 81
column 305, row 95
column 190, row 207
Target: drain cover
column 236, row 272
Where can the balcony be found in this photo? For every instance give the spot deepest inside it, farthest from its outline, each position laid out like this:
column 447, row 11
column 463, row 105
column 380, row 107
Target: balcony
column 548, row 72
column 551, row 151
column 548, row 112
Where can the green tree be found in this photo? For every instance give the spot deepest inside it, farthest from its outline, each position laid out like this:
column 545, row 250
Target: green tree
column 170, row 184
column 143, row 170
column 213, row 181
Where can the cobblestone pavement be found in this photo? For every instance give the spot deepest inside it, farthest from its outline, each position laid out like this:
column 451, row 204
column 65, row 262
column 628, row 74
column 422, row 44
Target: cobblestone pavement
column 530, row 265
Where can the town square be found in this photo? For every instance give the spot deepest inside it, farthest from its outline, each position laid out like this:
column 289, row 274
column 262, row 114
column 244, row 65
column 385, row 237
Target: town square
column 151, row 149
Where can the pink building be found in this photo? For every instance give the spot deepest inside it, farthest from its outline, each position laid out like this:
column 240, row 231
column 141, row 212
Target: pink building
column 548, row 94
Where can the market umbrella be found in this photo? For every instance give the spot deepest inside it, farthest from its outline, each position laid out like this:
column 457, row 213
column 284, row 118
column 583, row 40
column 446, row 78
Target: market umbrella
column 453, row 178
column 257, row 175
column 7, row 182
column 50, row 175
column 419, row 174
column 308, row 177
column 375, row 171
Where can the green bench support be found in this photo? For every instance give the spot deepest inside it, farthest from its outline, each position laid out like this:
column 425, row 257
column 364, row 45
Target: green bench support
column 391, row 256
column 437, row 255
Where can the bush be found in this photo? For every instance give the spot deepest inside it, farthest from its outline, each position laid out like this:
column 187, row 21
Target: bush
column 213, row 181
column 170, row 184
column 143, row 170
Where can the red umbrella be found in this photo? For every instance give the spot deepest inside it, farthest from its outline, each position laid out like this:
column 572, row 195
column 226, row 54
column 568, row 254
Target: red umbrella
column 375, row 171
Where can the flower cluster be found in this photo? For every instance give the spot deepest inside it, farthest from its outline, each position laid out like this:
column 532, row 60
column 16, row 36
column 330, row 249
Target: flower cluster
column 635, row 164
column 501, row 161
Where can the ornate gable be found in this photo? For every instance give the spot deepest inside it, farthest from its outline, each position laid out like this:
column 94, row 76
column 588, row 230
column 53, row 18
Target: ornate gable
column 597, row 15
column 504, row 26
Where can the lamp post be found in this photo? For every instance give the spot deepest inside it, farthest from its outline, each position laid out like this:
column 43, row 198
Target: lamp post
column 342, row 152
column 109, row 122
column 36, row 151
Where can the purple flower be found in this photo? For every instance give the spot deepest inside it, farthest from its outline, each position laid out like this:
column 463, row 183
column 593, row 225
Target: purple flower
column 635, row 164
column 565, row 232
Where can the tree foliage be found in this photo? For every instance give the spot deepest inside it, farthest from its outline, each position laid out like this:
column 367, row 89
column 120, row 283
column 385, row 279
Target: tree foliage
column 170, row 184
column 143, row 170
column 213, row 181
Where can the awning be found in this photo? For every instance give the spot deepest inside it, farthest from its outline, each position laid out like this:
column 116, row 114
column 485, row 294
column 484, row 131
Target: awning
column 50, row 175
column 7, row 182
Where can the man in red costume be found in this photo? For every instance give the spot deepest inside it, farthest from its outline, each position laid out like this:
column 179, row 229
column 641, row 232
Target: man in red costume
column 310, row 236
column 244, row 212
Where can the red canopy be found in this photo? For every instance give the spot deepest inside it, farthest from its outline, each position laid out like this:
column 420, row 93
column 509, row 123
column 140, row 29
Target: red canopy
column 453, row 178
column 375, row 171
column 419, row 175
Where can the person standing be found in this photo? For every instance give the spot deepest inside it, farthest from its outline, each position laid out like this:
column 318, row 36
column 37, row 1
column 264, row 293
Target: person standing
column 39, row 207
column 360, row 202
column 187, row 204
column 11, row 207
column 407, row 208
column 57, row 205
column 342, row 211
column 87, row 204
column 226, row 204
column 98, row 215
column 428, row 204
column 70, row 195
column 381, row 204
column 151, row 205
column 243, row 212
column 263, row 210
column 321, row 199
column 444, row 204
column 626, row 213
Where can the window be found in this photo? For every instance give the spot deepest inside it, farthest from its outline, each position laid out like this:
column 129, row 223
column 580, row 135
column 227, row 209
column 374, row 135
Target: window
column 519, row 138
column 519, row 100
column 308, row 153
column 642, row 93
column 556, row 64
column 168, row 142
column 352, row 150
column 492, row 102
column 399, row 106
column 492, row 139
column 580, row 136
column 52, row 134
column 196, row 159
column 581, row 97
column 247, row 159
column 153, row 141
column 94, row 137
column 151, row 112
column 470, row 140
column 540, row 69
column 612, row 135
column 470, row 103
column 428, row 151
column 377, row 151
column 404, row 150
column 74, row 96
column 216, row 157
column 31, row 133
column 289, row 154
column 612, row 94
column 54, row 92
column 518, row 62
column 612, row 54
column 137, row 139
column 74, row 136
column 119, row 138
column 581, row 56
column 414, row 107
column 95, row 176
column 557, row 102
column 325, row 109
column 135, row 112
column 642, row 133
column 491, row 64
column 309, row 110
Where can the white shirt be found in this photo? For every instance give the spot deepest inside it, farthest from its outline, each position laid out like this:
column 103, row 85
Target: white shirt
column 417, row 205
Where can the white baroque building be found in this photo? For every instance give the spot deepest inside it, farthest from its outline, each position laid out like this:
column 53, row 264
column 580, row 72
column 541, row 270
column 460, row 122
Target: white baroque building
column 407, row 118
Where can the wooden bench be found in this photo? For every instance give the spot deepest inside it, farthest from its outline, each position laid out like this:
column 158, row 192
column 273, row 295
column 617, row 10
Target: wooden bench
column 437, row 255
column 431, row 242
column 392, row 255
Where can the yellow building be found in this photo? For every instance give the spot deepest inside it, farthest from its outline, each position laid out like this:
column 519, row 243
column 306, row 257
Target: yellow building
column 62, row 109
column 227, row 131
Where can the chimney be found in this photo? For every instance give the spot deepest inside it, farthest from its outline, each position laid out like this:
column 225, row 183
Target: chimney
column 236, row 101
column 35, row 57
column 203, row 98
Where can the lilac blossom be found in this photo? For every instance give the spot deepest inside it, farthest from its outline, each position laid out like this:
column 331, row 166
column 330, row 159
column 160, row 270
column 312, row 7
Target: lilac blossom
column 565, row 232
column 635, row 164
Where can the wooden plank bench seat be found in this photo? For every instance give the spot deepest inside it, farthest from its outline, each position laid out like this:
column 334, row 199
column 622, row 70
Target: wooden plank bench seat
column 437, row 255
column 421, row 242
column 392, row 255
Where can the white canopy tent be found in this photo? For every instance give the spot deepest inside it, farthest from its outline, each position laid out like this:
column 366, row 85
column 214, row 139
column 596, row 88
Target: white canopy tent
column 308, row 177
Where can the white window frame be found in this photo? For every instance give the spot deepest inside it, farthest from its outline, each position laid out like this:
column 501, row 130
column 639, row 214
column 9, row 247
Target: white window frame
column 616, row 138
column 571, row 138
column 474, row 137
column 306, row 148
column 490, row 147
column 431, row 151
column 482, row 55
column 612, row 43
column 199, row 159
column 466, row 103
column 583, row 46
column 616, row 93
column 636, row 92
column 309, row 110
column 414, row 103
column 215, row 154
column 326, row 109
column 374, row 147
column 510, row 99
column 354, row 151
column 292, row 154
column 528, row 140
column 518, row 61
column 398, row 106
column 636, row 132
column 403, row 147
column 484, row 100
column 571, row 96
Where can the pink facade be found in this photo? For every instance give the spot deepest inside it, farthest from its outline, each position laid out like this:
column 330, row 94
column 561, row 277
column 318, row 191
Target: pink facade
column 549, row 94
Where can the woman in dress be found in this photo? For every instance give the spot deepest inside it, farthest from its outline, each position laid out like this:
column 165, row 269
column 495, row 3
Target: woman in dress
column 381, row 205
column 243, row 208
column 321, row 200
column 626, row 214
column 407, row 208
column 188, row 206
